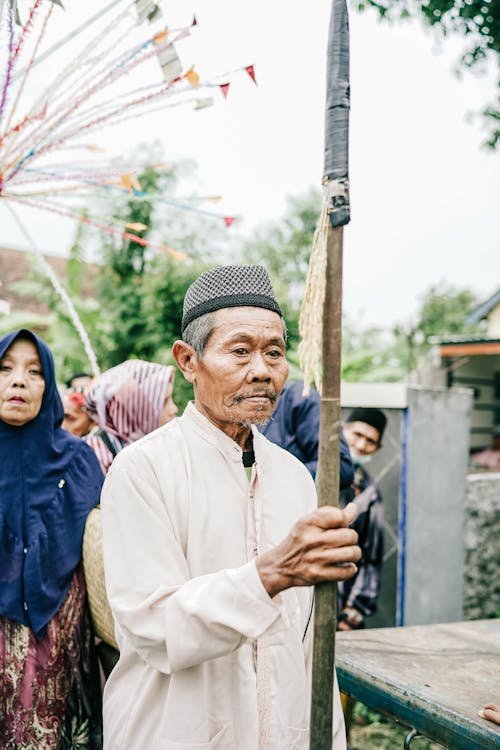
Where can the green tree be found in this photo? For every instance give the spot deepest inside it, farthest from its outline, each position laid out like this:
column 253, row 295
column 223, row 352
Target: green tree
column 478, row 21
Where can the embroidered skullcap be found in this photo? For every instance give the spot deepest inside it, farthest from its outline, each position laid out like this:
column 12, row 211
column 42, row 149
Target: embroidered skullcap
column 228, row 286
column 374, row 417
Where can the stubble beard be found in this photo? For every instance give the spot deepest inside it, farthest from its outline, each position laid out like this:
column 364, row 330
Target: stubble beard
column 259, row 419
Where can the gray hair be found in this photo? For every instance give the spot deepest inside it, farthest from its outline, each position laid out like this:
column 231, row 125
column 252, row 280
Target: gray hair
column 197, row 333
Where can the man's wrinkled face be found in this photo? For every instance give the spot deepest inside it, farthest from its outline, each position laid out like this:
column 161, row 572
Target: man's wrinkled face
column 243, row 368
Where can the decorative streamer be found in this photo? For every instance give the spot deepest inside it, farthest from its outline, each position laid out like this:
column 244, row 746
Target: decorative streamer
column 83, row 97
column 10, row 61
column 103, row 227
column 28, row 118
column 58, row 287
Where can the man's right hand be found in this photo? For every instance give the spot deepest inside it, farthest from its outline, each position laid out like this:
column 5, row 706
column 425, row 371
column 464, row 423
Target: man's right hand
column 320, row 547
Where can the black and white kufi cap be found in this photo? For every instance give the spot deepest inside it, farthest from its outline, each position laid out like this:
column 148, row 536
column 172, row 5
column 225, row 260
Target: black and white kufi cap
column 228, row 286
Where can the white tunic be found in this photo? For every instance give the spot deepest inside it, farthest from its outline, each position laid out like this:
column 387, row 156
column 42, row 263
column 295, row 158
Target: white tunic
column 207, row 658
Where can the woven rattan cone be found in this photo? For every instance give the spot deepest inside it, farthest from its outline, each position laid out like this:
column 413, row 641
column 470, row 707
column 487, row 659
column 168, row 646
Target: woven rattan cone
column 93, row 567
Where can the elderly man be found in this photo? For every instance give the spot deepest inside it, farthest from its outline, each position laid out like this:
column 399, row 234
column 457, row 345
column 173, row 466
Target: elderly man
column 212, row 542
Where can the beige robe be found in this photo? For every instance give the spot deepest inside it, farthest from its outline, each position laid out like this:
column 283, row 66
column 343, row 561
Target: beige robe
column 207, row 658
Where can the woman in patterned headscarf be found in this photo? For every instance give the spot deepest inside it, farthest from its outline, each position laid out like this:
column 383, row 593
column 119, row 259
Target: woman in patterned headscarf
column 127, row 402
column 49, row 482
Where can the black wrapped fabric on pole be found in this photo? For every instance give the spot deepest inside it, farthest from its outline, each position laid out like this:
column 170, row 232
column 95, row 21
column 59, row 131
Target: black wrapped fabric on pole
column 336, row 171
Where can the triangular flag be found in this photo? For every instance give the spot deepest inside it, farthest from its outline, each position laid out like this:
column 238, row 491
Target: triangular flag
column 130, row 182
column 136, row 226
column 228, row 220
column 193, row 77
column 161, row 36
column 251, row 72
column 194, row 22
column 224, row 87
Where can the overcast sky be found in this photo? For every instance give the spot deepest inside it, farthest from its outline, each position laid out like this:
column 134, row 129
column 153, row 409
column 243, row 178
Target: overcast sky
column 425, row 197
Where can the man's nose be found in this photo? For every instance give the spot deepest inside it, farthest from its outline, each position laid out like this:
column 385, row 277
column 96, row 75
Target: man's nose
column 360, row 443
column 258, row 369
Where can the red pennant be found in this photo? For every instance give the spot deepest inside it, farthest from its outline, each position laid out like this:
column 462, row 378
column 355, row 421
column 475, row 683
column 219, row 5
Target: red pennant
column 228, row 220
column 224, row 87
column 251, row 72
column 194, row 21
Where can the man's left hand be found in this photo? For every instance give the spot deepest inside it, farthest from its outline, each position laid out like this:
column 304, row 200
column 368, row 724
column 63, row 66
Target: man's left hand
column 350, row 619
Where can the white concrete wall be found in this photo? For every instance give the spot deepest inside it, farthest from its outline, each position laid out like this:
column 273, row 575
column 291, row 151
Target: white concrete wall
column 494, row 323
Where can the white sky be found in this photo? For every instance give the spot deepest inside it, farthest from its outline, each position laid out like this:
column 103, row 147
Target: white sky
column 425, row 198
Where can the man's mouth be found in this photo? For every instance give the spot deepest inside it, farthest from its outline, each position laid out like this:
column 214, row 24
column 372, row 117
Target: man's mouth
column 257, row 398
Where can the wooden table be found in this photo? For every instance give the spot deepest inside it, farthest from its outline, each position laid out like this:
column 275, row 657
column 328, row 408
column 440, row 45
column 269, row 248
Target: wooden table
column 430, row 677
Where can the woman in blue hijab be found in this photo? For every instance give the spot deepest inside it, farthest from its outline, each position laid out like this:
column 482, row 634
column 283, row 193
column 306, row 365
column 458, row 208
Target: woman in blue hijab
column 49, row 482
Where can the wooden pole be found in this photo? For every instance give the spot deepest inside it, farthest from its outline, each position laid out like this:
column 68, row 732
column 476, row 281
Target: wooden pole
column 325, row 607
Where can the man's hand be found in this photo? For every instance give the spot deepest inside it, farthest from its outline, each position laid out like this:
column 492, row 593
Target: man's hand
column 491, row 711
column 320, row 547
column 350, row 619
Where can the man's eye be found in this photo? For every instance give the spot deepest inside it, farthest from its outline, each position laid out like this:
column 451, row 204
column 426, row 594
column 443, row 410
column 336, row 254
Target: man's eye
column 274, row 353
column 5, row 368
column 240, row 351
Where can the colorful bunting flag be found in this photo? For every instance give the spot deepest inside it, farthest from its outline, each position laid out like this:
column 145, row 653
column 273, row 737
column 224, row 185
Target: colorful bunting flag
column 136, row 226
column 130, row 182
column 251, row 72
column 168, row 58
column 228, row 220
column 192, row 77
column 224, row 87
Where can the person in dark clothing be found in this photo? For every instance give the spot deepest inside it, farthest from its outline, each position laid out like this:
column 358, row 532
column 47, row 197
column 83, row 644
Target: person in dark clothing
column 363, row 431
column 295, row 427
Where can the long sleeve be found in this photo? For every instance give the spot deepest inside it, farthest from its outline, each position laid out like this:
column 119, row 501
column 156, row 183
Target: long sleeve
column 173, row 621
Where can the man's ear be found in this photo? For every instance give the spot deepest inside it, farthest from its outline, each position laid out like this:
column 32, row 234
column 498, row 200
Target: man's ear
column 186, row 359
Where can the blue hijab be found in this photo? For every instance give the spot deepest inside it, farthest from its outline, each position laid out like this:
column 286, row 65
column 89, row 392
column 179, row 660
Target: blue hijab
column 49, row 481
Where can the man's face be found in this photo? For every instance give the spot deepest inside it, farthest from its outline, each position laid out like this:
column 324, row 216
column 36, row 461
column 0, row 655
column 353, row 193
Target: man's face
column 81, row 382
column 242, row 370
column 362, row 439
column 76, row 420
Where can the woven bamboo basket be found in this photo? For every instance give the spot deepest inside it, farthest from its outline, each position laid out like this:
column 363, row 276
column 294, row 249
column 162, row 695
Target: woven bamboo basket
column 93, row 568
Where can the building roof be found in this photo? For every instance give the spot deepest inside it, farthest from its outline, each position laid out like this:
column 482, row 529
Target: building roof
column 15, row 265
column 482, row 310
column 472, row 347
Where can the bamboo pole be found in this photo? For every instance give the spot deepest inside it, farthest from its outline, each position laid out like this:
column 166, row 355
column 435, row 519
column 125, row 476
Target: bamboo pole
column 325, row 607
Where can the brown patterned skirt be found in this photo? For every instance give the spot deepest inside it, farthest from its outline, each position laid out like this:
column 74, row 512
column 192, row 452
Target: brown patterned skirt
column 49, row 688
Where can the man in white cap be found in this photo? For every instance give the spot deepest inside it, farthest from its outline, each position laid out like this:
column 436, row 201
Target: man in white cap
column 212, row 543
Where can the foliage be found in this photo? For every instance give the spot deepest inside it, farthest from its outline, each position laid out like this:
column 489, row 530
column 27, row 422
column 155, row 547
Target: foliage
column 478, row 21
